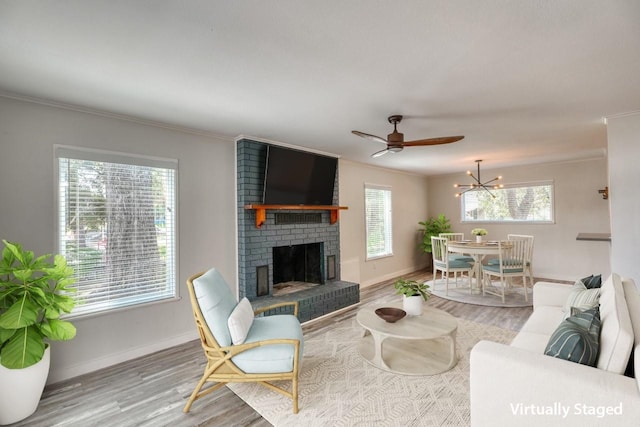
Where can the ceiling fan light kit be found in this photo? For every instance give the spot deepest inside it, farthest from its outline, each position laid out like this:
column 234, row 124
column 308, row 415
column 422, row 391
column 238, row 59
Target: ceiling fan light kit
column 478, row 184
column 395, row 140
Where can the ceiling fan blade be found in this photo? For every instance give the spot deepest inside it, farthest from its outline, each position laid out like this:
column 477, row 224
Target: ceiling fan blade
column 432, row 141
column 380, row 153
column 369, row 136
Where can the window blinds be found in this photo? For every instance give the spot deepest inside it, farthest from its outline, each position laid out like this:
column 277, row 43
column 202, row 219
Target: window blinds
column 116, row 227
column 378, row 221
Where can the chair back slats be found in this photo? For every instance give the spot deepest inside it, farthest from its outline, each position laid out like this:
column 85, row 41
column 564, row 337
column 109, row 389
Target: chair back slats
column 452, row 236
column 439, row 249
column 512, row 254
column 528, row 250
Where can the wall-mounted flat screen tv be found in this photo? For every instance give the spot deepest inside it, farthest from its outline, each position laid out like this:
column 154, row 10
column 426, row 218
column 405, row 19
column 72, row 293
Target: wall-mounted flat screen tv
column 294, row 177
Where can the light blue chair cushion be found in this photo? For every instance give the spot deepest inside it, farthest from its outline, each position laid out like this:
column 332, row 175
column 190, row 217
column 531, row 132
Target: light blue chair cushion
column 507, row 261
column 271, row 358
column 216, row 303
column 460, row 257
column 496, row 269
column 454, row 264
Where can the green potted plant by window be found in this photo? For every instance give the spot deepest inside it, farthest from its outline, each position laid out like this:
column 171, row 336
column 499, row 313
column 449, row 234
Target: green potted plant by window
column 413, row 294
column 433, row 227
column 33, row 294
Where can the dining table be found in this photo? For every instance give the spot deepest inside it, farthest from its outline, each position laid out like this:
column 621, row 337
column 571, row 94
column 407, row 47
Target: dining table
column 478, row 251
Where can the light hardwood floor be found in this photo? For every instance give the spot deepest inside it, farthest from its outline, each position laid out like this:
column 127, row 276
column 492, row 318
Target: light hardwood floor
column 152, row 390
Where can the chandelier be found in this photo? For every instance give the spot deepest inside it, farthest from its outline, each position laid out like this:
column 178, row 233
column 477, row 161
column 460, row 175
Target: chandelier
column 478, row 184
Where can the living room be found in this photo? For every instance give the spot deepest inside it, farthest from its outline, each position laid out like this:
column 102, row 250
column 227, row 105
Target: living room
column 35, row 118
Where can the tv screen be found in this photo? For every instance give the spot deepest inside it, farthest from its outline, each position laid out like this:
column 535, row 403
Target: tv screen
column 294, row 177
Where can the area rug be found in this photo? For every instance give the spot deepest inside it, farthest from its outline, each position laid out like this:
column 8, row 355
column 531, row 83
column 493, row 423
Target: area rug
column 339, row 388
column 514, row 296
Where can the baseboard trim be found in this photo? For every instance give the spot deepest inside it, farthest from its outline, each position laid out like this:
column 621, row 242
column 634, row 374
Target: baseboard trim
column 98, row 363
column 392, row 275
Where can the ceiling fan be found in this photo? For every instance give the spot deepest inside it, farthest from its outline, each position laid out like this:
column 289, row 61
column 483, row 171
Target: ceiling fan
column 395, row 140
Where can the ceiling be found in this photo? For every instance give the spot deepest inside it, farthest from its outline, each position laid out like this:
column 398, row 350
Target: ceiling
column 524, row 81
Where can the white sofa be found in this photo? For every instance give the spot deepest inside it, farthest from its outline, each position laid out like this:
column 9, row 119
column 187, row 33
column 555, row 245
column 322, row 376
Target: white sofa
column 518, row 385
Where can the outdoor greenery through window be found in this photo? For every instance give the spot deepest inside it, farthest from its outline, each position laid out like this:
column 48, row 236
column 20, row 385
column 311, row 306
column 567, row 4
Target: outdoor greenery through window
column 378, row 221
column 116, row 227
column 529, row 202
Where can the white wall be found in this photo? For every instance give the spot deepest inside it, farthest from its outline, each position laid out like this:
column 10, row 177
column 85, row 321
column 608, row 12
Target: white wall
column 409, row 206
column 578, row 208
column 206, row 214
column 623, row 135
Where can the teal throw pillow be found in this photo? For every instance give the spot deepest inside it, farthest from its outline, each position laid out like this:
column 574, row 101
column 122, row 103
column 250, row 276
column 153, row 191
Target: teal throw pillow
column 577, row 338
column 591, row 282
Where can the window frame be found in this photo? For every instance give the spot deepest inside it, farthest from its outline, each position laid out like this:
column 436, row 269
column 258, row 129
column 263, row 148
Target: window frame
column 388, row 222
column 97, row 155
column 550, row 183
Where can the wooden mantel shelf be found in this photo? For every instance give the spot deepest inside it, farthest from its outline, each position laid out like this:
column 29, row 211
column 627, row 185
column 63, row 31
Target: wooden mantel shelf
column 261, row 210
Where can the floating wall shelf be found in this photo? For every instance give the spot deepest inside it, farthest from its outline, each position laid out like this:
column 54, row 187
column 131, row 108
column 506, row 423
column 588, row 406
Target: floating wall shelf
column 261, row 211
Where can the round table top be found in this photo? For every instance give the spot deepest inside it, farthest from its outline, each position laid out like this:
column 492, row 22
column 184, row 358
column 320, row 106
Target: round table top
column 433, row 323
column 488, row 247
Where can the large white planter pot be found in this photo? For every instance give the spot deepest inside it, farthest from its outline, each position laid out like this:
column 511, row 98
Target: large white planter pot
column 413, row 305
column 21, row 389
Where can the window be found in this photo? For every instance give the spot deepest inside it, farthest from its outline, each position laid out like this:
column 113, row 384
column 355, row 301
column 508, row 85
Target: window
column 117, row 227
column 378, row 220
column 527, row 202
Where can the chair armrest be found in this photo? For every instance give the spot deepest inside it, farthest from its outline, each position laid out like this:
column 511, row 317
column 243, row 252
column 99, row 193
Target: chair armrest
column 508, row 383
column 550, row 294
column 280, row 304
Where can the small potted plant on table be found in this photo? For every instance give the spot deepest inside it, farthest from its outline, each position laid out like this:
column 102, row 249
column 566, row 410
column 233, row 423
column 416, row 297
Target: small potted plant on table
column 479, row 232
column 414, row 293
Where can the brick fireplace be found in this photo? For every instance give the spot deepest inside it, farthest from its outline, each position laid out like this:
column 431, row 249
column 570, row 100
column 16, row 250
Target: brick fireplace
column 304, row 244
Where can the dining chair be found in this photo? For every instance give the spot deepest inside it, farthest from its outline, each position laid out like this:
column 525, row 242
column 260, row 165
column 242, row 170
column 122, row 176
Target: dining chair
column 443, row 263
column 240, row 347
column 528, row 253
column 512, row 260
column 458, row 237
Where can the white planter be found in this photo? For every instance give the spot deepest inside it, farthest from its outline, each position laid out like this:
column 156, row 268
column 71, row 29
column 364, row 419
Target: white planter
column 413, row 305
column 478, row 239
column 21, row 389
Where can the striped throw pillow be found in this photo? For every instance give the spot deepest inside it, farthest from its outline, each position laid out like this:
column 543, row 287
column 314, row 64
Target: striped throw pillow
column 577, row 338
column 582, row 298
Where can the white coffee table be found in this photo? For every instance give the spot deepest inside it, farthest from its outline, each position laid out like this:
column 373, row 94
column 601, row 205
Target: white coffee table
column 414, row 345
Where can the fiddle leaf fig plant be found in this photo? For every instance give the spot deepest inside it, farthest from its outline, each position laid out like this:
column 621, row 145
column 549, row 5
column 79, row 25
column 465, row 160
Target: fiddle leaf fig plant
column 433, row 227
column 34, row 293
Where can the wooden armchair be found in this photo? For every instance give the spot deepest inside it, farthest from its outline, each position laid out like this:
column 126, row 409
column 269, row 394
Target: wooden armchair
column 271, row 351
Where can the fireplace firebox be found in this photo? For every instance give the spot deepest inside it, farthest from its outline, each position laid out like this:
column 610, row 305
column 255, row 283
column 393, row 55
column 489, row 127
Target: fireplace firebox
column 298, row 263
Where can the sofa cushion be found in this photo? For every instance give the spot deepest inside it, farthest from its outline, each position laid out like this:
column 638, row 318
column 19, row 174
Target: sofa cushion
column 616, row 337
column 576, row 338
column 531, row 341
column 240, row 321
column 581, row 297
column 544, row 320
